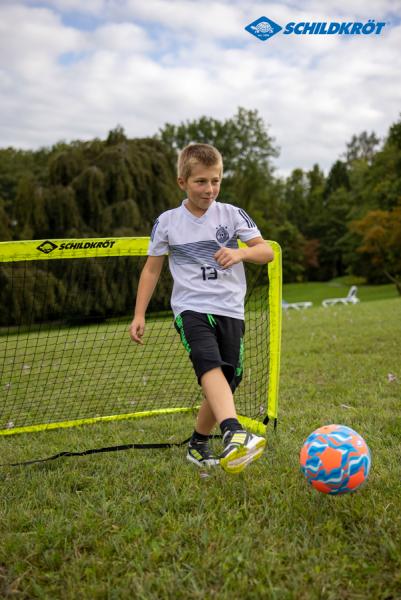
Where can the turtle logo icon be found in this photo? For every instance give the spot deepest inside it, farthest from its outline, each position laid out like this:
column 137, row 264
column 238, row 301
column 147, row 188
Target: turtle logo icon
column 263, row 28
column 47, row 247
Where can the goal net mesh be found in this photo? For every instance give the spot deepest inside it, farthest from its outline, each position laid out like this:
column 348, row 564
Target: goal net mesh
column 66, row 357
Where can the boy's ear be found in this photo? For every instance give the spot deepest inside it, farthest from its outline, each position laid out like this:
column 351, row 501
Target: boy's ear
column 181, row 183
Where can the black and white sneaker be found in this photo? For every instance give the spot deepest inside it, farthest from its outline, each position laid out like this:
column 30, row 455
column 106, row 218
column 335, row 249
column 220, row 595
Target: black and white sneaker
column 240, row 449
column 201, row 455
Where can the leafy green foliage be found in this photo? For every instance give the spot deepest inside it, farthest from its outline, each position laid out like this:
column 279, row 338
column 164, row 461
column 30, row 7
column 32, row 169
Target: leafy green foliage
column 362, row 147
column 118, row 187
column 243, row 140
column 93, row 189
column 380, row 231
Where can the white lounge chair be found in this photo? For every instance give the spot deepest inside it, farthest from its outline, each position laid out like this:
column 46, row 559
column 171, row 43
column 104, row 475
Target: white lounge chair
column 296, row 305
column 350, row 299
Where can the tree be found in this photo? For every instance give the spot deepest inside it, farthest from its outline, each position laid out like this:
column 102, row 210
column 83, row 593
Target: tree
column 292, row 243
column 337, row 178
column 63, row 168
column 116, row 136
column 89, row 189
column 315, row 186
column 383, row 178
column 362, row 147
column 381, row 241
column 62, row 212
column 242, row 140
column 5, row 225
column 296, row 199
column 28, row 209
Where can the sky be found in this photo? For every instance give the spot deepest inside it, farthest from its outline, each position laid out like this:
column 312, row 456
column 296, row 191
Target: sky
column 74, row 69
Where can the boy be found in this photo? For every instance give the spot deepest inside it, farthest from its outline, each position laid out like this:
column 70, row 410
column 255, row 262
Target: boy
column 207, row 299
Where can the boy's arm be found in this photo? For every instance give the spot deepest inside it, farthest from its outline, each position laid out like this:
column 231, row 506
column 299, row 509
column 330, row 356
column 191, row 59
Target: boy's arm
column 147, row 283
column 258, row 252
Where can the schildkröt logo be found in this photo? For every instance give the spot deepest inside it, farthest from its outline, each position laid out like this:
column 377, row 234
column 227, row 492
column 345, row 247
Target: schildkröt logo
column 47, row 247
column 264, row 28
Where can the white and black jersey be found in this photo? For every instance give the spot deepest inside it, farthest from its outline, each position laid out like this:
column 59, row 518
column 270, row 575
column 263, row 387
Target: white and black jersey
column 200, row 284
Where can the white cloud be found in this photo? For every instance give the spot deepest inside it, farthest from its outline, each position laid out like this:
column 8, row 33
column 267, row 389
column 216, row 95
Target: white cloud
column 143, row 64
column 121, row 38
column 30, row 38
column 357, row 8
column 87, row 6
column 210, row 19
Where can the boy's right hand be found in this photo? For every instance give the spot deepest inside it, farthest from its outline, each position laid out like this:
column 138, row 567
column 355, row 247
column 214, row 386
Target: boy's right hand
column 137, row 329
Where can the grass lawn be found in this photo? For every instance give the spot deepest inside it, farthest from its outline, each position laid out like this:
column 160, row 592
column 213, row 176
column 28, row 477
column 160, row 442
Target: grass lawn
column 145, row 525
column 337, row 288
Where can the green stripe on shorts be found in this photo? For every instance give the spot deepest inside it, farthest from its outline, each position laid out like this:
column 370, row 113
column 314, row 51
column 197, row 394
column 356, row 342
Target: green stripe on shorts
column 211, row 320
column 184, row 340
column 240, row 366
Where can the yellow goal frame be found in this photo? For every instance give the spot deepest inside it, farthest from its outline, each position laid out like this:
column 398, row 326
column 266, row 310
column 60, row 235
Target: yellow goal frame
column 29, row 250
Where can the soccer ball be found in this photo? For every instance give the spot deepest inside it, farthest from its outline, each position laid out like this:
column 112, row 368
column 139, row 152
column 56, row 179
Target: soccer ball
column 335, row 459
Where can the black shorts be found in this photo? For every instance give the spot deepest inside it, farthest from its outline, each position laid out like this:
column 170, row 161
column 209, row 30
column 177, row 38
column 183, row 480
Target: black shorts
column 213, row 341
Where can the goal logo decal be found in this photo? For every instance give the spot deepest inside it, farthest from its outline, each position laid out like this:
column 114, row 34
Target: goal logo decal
column 47, row 247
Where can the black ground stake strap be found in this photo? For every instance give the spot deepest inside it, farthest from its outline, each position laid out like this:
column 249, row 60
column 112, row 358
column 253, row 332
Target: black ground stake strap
column 99, row 450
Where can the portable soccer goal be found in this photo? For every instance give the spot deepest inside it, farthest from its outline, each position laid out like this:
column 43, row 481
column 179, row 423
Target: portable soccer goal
column 66, row 357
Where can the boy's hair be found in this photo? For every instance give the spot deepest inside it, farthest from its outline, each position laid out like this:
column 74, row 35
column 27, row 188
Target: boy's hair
column 195, row 154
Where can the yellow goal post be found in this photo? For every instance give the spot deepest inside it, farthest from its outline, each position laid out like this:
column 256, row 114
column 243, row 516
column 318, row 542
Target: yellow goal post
column 48, row 364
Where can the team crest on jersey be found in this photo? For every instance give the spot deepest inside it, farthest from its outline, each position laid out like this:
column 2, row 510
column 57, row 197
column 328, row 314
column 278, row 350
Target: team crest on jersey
column 222, row 235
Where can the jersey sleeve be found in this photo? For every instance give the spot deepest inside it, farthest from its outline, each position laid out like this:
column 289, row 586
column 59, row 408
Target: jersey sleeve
column 245, row 227
column 158, row 238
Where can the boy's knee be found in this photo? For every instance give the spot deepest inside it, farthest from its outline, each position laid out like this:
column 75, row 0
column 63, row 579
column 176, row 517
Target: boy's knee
column 226, row 370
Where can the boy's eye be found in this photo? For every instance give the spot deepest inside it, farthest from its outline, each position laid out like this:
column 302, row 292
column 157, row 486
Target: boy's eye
column 214, row 182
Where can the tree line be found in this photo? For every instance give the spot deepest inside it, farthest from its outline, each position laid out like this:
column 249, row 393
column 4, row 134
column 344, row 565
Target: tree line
column 347, row 221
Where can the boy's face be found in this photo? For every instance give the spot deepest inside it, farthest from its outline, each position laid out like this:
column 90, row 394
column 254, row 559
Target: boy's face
column 202, row 187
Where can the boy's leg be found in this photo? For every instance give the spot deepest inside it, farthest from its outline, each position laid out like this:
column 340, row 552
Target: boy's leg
column 199, row 452
column 199, row 336
column 219, row 396
column 205, row 420
column 195, row 330
column 215, row 388
column 240, row 447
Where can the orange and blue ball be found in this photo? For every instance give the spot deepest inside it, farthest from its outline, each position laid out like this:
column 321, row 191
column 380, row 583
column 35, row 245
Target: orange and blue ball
column 335, row 459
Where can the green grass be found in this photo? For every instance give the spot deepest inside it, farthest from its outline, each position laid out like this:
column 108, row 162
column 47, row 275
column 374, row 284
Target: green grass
column 145, row 525
column 337, row 288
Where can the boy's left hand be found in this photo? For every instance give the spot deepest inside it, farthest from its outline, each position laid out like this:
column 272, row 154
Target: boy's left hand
column 226, row 257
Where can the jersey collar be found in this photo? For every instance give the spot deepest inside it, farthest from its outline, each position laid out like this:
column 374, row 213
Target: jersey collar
column 192, row 217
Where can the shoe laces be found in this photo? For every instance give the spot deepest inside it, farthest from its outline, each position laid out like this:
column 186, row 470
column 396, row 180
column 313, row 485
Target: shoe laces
column 203, row 448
